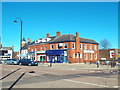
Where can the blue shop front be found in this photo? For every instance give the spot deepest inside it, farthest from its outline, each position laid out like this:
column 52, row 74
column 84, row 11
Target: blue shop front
column 57, row 56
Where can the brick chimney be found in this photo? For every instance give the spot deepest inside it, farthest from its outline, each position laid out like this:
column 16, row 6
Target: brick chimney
column 48, row 35
column 57, row 33
column 77, row 43
column 29, row 40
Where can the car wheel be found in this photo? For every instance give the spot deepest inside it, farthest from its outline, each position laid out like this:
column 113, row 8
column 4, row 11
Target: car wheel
column 20, row 63
column 29, row 64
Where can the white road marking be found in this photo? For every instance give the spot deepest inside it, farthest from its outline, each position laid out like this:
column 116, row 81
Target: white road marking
column 84, row 83
column 98, row 77
column 116, row 86
column 91, row 71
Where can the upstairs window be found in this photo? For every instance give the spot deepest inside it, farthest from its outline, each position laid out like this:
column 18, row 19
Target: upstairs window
column 95, row 47
column 85, row 46
column 73, row 45
column 90, row 47
column 80, row 46
column 51, row 47
column 65, row 45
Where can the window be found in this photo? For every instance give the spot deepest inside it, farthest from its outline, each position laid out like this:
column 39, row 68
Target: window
column 73, row 45
column 35, row 49
column 80, row 46
column 90, row 56
column 95, row 47
column 65, row 45
column 73, row 55
column 80, row 55
column 51, row 47
column 45, row 48
column 85, row 56
column 56, row 46
column 85, row 47
column 77, row 55
column 95, row 56
column 90, row 47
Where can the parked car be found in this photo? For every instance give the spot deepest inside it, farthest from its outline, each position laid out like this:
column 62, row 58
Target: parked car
column 28, row 62
column 0, row 61
column 12, row 61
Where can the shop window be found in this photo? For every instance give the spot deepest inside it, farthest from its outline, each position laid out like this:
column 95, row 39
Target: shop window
column 95, row 56
column 80, row 55
column 90, row 56
column 85, row 56
column 65, row 45
column 73, row 55
column 73, row 45
column 77, row 55
column 80, row 46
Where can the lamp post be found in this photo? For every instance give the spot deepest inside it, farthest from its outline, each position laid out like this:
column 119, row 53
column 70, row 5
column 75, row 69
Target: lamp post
column 15, row 21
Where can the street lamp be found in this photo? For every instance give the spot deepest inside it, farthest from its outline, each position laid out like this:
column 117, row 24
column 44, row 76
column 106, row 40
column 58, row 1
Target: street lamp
column 15, row 21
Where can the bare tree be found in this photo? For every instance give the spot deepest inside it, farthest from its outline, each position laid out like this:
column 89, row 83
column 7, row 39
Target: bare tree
column 105, row 44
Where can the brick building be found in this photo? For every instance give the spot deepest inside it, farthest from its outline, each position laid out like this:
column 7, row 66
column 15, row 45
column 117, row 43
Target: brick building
column 64, row 48
column 105, row 55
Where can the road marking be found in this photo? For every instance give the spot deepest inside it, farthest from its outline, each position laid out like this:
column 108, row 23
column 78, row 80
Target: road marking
column 91, row 71
column 84, row 83
column 98, row 77
column 116, row 86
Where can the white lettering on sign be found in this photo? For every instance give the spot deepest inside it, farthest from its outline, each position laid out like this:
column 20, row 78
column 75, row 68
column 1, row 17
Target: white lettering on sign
column 88, row 51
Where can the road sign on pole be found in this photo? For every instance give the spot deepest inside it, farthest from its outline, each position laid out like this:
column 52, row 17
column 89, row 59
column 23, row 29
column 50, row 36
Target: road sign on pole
column 112, row 54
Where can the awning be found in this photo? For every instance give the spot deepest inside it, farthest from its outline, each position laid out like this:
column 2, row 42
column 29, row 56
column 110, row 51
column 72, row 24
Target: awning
column 55, row 52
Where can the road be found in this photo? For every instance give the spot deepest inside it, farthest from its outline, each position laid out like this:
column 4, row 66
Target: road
column 51, row 77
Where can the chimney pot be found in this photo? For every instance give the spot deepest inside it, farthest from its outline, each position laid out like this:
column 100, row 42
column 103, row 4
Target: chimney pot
column 48, row 35
column 29, row 40
column 57, row 33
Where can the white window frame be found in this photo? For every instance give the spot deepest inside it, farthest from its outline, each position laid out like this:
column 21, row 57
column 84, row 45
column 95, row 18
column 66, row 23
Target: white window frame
column 85, row 46
column 65, row 44
column 95, row 56
column 81, row 46
column 73, row 44
column 51, row 47
column 73, row 55
column 91, row 56
column 85, row 56
column 95, row 47
column 90, row 47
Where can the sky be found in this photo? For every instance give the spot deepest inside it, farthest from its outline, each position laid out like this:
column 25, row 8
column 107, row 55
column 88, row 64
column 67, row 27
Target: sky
column 93, row 20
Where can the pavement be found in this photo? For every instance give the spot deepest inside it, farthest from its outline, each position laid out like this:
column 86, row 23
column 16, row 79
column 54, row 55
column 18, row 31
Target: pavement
column 73, row 66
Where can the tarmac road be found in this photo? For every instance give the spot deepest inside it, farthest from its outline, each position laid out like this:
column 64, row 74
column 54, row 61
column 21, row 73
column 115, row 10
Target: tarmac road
column 59, row 76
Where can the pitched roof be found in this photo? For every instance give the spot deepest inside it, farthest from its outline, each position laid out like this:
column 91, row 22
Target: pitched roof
column 60, row 39
column 6, row 48
column 70, row 37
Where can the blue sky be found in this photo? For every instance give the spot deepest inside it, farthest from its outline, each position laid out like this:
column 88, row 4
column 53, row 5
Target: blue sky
column 93, row 20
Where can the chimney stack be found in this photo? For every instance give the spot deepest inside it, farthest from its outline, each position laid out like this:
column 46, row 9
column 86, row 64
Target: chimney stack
column 29, row 40
column 77, row 35
column 57, row 33
column 48, row 35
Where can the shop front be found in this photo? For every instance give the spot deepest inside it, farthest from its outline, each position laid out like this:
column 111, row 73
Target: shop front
column 41, row 56
column 57, row 56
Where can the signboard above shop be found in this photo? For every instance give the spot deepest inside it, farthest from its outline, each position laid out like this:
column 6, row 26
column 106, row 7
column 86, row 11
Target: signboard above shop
column 88, row 51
